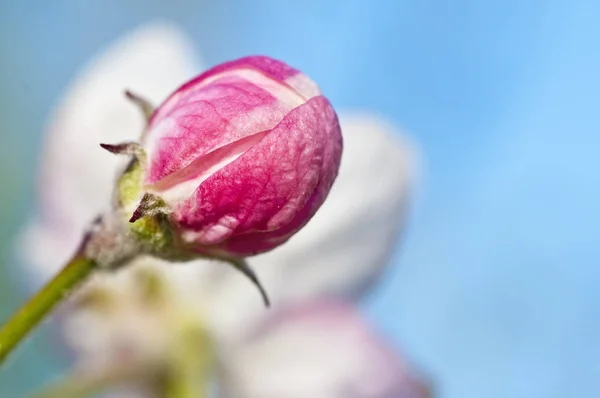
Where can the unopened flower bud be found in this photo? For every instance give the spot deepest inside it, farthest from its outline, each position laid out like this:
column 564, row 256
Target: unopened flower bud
column 233, row 163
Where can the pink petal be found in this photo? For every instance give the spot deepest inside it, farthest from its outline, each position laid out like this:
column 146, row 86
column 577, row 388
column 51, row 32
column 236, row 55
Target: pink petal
column 322, row 349
column 209, row 117
column 267, row 67
column 269, row 192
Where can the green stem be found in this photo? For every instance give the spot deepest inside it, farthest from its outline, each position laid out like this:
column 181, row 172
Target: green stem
column 189, row 372
column 34, row 310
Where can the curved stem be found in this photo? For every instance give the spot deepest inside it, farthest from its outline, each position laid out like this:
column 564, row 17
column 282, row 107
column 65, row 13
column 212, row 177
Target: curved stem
column 34, row 310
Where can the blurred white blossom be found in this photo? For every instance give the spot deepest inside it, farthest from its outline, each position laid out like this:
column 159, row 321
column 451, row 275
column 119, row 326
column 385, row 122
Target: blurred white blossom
column 312, row 342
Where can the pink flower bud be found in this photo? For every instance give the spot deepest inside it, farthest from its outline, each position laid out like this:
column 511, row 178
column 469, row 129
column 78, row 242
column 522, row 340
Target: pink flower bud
column 242, row 155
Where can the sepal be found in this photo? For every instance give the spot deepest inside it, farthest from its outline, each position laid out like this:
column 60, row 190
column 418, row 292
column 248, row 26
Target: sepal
column 144, row 105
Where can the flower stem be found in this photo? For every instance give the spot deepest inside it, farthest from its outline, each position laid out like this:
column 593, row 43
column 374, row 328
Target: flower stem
column 190, row 364
column 34, row 310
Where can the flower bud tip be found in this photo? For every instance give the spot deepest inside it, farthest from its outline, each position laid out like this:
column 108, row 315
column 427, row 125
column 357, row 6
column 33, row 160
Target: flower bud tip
column 150, row 205
column 125, row 148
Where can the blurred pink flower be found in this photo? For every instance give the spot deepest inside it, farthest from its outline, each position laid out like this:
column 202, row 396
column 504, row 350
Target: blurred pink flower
column 317, row 349
column 313, row 342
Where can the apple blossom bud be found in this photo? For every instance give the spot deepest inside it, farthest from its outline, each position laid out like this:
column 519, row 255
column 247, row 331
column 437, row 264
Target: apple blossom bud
column 233, row 163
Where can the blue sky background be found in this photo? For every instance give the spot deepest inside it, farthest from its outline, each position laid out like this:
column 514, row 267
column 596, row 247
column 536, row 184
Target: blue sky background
column 495, row 292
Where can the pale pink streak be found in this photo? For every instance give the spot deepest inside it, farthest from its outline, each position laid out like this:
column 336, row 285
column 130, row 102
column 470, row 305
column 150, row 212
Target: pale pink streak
column 319, row 349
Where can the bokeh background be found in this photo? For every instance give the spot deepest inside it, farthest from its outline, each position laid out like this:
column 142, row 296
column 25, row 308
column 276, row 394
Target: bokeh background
column 494, row 290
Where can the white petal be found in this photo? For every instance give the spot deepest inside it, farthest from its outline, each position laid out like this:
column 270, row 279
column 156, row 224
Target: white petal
column 77, row 176
column 127, row 328
column 43, row 251
column 123, row 326
column 320, row 350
